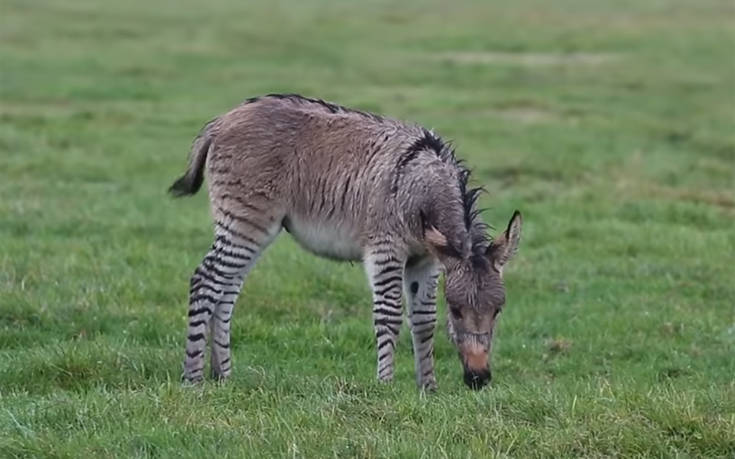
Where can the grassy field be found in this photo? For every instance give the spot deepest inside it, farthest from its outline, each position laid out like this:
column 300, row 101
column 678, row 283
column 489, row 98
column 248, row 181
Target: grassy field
column 611, row 125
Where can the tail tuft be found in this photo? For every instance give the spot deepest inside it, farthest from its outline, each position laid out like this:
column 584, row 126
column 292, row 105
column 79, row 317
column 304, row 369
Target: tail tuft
column 184, row 186
column 191, row 181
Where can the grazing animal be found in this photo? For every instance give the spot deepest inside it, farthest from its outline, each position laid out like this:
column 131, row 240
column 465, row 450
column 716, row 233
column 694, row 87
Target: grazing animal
column 347, row 185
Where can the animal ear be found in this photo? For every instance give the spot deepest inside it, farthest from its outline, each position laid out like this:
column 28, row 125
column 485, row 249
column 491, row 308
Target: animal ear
column 440, row 246
column 436, row 239
column 505, row 246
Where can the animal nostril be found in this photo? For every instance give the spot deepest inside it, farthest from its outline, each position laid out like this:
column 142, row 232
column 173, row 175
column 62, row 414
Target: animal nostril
column 477, row 379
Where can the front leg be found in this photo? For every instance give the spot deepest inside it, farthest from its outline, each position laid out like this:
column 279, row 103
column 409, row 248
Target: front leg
column 421, row 280
column 385, row 273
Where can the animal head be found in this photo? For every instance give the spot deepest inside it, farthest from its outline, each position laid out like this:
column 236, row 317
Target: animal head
column 475, row 296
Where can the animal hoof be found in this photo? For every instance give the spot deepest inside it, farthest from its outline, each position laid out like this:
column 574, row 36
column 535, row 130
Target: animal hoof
column 428, row 386
column 191, row 380
column 221, row 377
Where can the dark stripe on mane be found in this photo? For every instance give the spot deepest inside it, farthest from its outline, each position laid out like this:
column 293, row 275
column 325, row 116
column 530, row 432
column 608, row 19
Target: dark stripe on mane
column 475, row 226
column 328, row 106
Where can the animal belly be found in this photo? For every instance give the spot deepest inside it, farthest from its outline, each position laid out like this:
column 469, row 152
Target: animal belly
column 326, row 239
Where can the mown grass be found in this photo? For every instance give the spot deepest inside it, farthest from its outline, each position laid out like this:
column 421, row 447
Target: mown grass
column 609, row 124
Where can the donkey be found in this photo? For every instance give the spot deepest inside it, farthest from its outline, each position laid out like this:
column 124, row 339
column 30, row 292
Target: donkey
column 347, row 185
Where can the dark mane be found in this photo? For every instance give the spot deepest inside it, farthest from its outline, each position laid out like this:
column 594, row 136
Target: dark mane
column 328, row 106
column 474, row 224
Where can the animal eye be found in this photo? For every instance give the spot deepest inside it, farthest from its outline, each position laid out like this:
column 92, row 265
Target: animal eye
column 456, row 312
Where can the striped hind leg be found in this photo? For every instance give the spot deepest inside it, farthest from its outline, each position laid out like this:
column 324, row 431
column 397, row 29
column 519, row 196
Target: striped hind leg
column 385, row 273
column 421, row 281
column 215, row 286
column 240, row 257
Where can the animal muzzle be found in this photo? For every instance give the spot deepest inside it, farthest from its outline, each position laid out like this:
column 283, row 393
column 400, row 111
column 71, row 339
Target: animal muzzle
column 476, row 370
column 477, row 379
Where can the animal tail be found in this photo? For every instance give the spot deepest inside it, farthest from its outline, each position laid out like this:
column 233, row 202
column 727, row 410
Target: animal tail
column 191, row 181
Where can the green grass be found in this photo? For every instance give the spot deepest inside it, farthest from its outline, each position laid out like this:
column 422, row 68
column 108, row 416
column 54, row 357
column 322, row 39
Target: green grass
column 609, row 124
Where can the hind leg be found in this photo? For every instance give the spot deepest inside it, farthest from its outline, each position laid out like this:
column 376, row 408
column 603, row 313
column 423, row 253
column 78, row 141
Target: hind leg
column 240, row 257
column 215, row 286
column 221, row 363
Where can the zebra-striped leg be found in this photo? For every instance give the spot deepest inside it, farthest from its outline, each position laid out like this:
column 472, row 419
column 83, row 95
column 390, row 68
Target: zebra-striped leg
column 240, row 258
column 206, row 288
column 421, row 281
column 220, row 332
column 385, row 273
column 214, row 289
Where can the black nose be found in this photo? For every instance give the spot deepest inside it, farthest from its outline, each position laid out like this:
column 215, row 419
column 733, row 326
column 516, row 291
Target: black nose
column 477, row 379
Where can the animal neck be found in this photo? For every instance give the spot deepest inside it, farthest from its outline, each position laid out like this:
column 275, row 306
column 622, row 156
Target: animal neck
column 429, row 174
column 442, row 205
